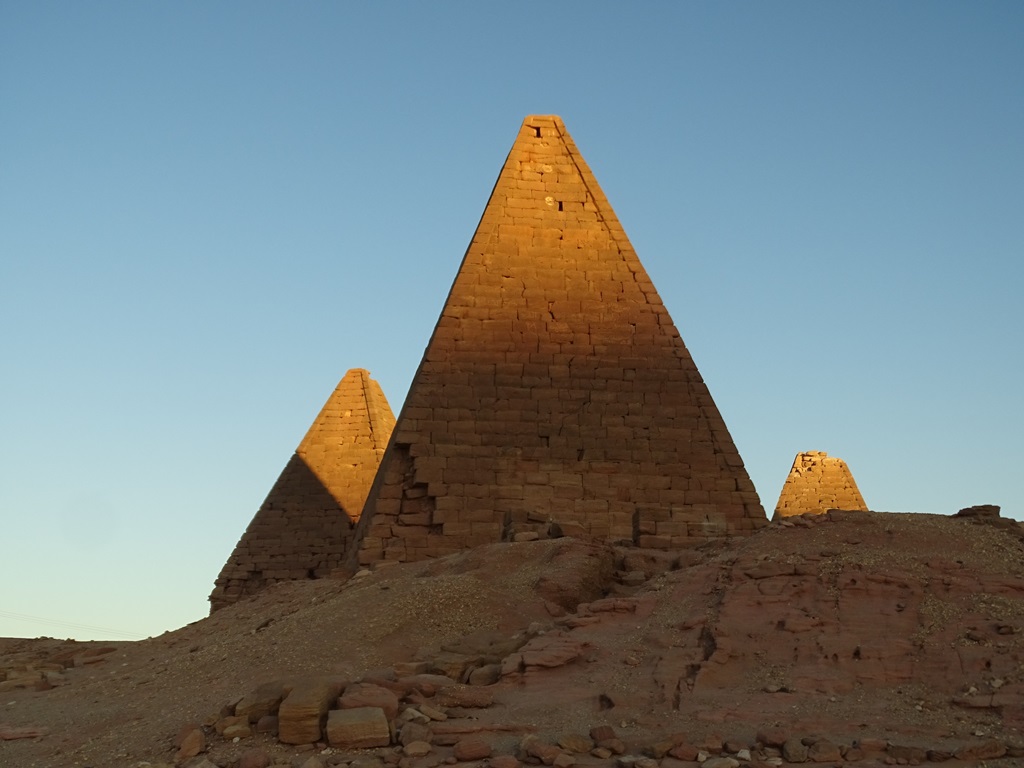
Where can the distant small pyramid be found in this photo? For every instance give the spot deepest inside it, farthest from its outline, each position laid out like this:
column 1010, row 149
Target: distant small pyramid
column 555, row 389
column 817, row 483
column 305, row 524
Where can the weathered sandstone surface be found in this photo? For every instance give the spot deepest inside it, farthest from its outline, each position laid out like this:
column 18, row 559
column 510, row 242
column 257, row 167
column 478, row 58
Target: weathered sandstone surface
column 817, row 483
column 839, row 639
column 555, row 389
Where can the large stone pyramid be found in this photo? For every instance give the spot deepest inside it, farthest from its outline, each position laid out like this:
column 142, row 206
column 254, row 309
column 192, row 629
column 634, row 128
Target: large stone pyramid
column 305, row 525
column 817, row 483
column 555, row 388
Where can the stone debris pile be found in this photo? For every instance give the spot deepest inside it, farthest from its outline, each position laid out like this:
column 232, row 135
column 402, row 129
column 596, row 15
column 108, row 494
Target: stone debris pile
column 45, row 668
column 881, row 623
column 365, row 738
column 424, row 720
column 848, row 638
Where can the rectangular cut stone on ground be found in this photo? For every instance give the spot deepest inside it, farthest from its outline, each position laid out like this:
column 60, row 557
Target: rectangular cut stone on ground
column 305, row 525
column 301, row 715
column 358, row 728
column 555, row 389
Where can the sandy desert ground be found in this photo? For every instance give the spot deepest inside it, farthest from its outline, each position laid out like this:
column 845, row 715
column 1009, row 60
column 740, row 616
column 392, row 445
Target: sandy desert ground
column 850, row 638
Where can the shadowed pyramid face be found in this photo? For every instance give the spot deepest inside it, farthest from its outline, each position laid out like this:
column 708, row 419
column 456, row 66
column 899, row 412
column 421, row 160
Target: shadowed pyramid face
column 555, row 388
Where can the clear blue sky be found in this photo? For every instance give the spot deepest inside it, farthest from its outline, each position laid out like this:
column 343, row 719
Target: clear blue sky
column 210, row 211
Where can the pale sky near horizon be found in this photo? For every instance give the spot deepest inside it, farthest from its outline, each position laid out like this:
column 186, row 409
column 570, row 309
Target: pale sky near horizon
column 210, row 211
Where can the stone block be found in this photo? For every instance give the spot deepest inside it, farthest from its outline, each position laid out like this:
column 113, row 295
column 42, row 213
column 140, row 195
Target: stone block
column 265, row 700
column 301, row 715
column 358, row 728
column 359, row 695
column 471, row 749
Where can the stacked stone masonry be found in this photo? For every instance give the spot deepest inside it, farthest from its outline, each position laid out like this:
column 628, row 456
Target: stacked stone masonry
column 304, row 527
column 555, row 389
column 817, row 483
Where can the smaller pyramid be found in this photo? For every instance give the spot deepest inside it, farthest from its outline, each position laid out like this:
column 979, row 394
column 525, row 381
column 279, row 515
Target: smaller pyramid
column 304, row 526
column 817, row 483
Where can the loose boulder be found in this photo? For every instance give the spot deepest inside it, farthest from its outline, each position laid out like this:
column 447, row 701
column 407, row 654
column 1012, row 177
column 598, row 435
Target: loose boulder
column 301, row 716
column 358, row 728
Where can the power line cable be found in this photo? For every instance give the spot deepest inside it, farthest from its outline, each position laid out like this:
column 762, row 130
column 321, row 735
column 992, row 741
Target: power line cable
column 71, row 624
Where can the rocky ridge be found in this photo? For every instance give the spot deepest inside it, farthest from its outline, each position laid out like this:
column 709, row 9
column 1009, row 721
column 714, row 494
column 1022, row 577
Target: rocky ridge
column 850, row 638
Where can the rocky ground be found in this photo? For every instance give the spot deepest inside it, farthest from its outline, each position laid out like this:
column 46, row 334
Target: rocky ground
column 852, row 638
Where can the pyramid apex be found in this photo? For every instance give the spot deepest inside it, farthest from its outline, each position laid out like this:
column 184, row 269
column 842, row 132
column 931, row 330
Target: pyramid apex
column 352, row 374
column 536, row 121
